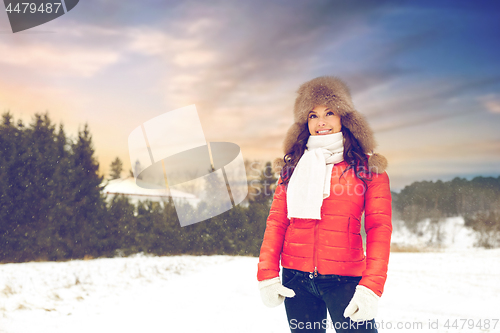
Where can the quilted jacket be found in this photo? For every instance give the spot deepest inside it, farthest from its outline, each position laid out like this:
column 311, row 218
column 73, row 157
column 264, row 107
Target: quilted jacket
column 333, row 245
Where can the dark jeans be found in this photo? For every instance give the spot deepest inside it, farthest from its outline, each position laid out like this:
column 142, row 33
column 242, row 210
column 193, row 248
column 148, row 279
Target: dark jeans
column 306, row 311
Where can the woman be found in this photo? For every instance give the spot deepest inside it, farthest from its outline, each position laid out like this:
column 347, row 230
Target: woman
column 329, row 176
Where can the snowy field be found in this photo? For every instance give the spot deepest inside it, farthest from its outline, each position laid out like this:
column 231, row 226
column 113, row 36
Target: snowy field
column 219, row 294
column 453, row 289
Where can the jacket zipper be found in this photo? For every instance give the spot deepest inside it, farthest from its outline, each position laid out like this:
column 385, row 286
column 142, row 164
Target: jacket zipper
column 315, row 254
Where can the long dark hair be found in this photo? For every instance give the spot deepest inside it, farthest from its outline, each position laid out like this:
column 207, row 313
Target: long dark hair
column 353, row 155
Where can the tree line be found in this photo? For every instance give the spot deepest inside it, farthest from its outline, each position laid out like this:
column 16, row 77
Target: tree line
column 476, row 200
column 52, row 206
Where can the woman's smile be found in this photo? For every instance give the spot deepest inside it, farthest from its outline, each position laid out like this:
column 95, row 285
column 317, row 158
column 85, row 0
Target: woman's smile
column 324, row 131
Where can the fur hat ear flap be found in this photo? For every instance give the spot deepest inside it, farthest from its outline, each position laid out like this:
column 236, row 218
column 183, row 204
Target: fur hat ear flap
column 291, row 137
column 377, row 163
column 359, row 127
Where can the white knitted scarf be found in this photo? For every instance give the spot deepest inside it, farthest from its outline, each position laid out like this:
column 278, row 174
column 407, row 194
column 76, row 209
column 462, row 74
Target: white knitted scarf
column 310, row 181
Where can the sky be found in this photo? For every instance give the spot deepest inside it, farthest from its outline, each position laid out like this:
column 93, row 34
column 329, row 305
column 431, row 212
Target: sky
column 426, row 74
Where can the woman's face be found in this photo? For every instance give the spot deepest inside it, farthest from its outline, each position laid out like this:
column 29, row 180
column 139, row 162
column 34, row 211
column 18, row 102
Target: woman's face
column 322, row 120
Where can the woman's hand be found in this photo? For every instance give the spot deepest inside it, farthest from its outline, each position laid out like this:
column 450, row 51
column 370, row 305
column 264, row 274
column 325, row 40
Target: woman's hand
column 363, row 305
column 273, row 292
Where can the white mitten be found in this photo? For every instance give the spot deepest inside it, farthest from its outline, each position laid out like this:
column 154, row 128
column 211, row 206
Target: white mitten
column 363, row 305
column 273, row 292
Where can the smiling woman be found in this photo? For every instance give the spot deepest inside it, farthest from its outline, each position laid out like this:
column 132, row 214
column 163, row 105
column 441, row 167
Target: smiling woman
column 314, row 223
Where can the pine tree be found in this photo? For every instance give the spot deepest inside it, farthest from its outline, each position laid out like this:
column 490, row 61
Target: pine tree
column 88, row 227
column 24, row 203
column 121, row 230
column 9, row 136
column 39, row 194
column 63, row 196
column 258, row 210
column 116, row 169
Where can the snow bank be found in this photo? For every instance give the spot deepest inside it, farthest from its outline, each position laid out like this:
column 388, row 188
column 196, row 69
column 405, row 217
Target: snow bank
column 453, row 234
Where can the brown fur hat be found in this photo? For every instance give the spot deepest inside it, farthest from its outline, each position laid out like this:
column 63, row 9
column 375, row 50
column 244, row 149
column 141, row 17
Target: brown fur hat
column 334, row 94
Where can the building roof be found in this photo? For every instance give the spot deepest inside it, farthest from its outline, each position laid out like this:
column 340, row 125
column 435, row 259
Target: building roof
column 129, row 187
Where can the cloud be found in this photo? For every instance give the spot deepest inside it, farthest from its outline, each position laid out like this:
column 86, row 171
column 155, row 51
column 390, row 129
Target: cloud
column 81, row 51
column 408, row 97
column 57, row 60
column 242, row 63
column 453, row 152
column 230, row 64
column 400, row 103
column 422, row 121
column 491, row 103
column 225, row 49
column 155, row 42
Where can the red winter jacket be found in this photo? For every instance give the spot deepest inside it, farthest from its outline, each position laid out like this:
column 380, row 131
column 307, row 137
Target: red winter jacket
column 333, row 245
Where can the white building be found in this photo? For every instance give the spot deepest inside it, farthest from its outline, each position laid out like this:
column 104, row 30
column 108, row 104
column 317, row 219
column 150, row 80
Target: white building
column 156, row 193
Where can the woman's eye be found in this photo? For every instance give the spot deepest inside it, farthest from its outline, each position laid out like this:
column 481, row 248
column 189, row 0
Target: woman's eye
column 312, row 116
column 330, row 113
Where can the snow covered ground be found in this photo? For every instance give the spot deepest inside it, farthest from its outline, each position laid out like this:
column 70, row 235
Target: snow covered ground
column 219, row 294
column 452, row 233
column 454, row 289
